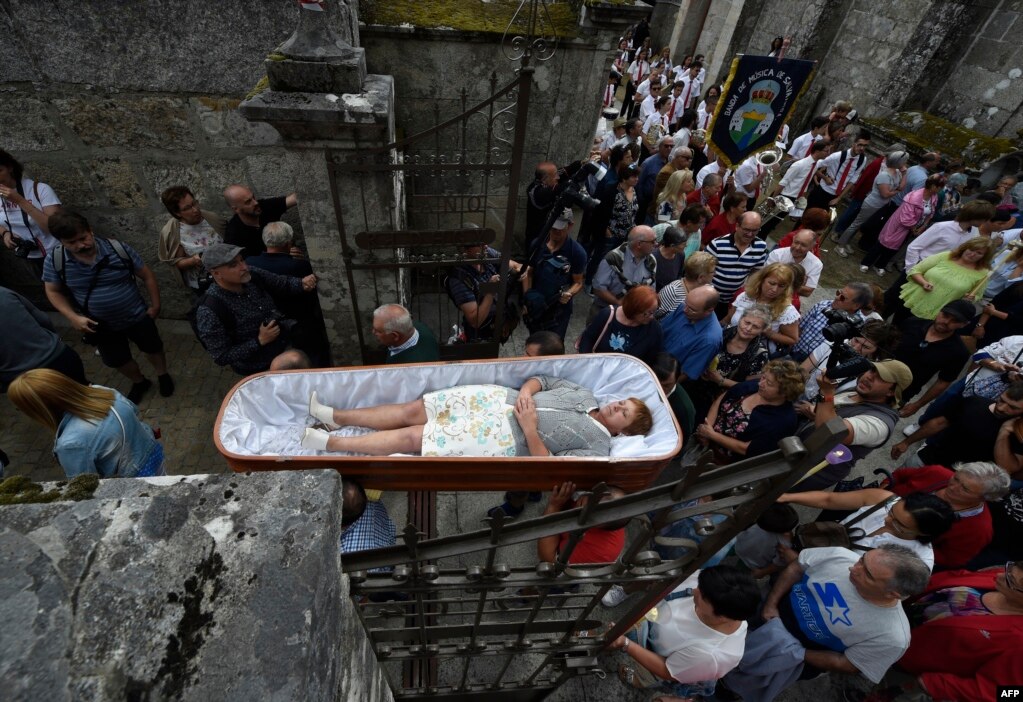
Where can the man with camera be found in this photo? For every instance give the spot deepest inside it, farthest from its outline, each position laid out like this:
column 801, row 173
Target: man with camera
column 540, row 197
column 93, row 282
column 864, row 396
column 238, row 322
column 851, row 299
column 553, row 276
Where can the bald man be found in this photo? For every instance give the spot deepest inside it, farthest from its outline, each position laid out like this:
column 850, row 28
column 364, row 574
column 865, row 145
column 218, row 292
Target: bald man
column 406, row 341
column 801, row 251
column 245, row 228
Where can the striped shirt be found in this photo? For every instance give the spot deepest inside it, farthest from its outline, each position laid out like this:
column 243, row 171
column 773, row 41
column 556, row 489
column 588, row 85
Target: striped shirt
column 734, row 266
column 115, row 299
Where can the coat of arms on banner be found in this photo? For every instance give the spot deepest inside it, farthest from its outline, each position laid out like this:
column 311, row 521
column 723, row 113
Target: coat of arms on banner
column 759, row 96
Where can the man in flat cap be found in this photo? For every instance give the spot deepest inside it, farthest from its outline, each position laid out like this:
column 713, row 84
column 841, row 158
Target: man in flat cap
column 238, row 322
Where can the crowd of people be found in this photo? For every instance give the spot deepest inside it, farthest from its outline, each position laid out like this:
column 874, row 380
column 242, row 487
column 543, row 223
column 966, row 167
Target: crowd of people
column 675, row 265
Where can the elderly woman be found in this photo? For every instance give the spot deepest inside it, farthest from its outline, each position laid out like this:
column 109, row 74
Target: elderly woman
column 97, row 430
column 967, row 489
column 911, row 218
column 629, row 329
column 742, row 357
column 697, row 271
column 939, row 279
column 186, row 235
column 750, row 418
column 889, row 182
column 967, row 634
column 486, row 420
column 771, row 287
column 913, row 521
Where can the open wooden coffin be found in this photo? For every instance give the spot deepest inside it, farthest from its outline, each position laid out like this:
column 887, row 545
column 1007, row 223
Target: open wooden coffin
column 261, row 422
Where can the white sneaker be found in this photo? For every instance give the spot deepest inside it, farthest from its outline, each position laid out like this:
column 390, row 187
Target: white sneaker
column 321, row 412
column 910, row 428
column 843, row 251
column 614, row 597
column 315, row 439
column 880, row 271
column 864, row 269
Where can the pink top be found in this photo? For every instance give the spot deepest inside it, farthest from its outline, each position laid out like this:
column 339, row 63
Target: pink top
column 909, row 215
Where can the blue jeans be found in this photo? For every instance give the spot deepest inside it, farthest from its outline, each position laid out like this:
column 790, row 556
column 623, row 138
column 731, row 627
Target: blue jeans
column 848, row 216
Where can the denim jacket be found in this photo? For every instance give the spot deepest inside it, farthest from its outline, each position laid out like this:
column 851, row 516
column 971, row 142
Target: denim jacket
column 85, row 446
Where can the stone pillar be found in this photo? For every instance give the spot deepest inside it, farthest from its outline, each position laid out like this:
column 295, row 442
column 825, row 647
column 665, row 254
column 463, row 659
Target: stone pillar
column 663, row 22
column 321, row 100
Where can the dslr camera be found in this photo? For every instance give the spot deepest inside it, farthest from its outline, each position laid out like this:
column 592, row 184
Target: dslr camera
column 23, row 247
column 843, row 361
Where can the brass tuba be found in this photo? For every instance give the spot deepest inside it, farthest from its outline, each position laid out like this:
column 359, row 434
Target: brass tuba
column 769, row 159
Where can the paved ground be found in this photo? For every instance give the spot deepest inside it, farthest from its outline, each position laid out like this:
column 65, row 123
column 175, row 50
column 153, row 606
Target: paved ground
column 187, row 420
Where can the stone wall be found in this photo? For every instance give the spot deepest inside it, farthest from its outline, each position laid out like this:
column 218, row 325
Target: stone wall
column 956, row 59
column 432, row 66
column 110, row 103
column 206, row 587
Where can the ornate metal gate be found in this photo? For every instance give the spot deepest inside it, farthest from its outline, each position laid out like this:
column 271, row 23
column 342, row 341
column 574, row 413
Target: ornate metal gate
column 489, row 630
column 460, row 181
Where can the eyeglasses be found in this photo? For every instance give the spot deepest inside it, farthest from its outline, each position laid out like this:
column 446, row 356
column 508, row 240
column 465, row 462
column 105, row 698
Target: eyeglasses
column 1010, row 581
column 186, row 208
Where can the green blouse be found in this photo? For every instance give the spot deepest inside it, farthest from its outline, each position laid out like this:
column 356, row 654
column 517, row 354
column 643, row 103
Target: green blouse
column 950, row 280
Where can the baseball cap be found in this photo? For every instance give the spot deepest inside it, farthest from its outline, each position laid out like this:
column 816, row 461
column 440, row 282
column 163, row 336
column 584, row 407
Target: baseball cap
column 962, row 310
column 219, row 254
column 620, row 122
column 564, row 219
column 894, row 372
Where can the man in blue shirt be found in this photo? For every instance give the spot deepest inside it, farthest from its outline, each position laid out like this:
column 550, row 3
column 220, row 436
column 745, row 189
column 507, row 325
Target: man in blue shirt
column 554, row 275
column 692, row 333
column 93, row 285
column 648, row 175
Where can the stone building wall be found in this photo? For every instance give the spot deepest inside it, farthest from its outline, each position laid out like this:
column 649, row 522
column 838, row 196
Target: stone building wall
column 432, row 66
column 957, row 59
column 110, row 103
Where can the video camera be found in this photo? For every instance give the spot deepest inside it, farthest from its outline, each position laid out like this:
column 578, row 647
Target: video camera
column 843, row 361
column 572, row 186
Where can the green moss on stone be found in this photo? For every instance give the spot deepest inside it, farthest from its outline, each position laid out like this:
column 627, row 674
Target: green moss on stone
column 261, row 85
column 467, row 15
column 921, row 132
column 19, row 490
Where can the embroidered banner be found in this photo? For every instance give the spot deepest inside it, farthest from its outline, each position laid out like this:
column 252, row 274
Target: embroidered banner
column 758, row 97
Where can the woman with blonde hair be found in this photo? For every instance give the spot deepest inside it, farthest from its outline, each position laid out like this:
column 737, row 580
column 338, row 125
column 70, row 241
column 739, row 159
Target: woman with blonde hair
column 950, row 275
column 771, row 286
column 672, row 198
column 97, row 429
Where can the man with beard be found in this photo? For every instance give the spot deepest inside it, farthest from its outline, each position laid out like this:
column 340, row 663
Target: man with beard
column 92, row 282
column 245, row 228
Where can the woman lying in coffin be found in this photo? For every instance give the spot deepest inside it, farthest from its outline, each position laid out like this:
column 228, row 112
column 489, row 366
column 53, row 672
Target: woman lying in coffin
column 546, row 417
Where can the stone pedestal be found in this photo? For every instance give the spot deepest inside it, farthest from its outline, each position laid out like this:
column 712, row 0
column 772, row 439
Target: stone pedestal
column 325, row 107
column 206, row 587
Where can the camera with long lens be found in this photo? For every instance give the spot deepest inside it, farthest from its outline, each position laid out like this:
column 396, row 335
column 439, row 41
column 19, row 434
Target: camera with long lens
column 574, row 191
column 23, row 247
column 843, row 362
